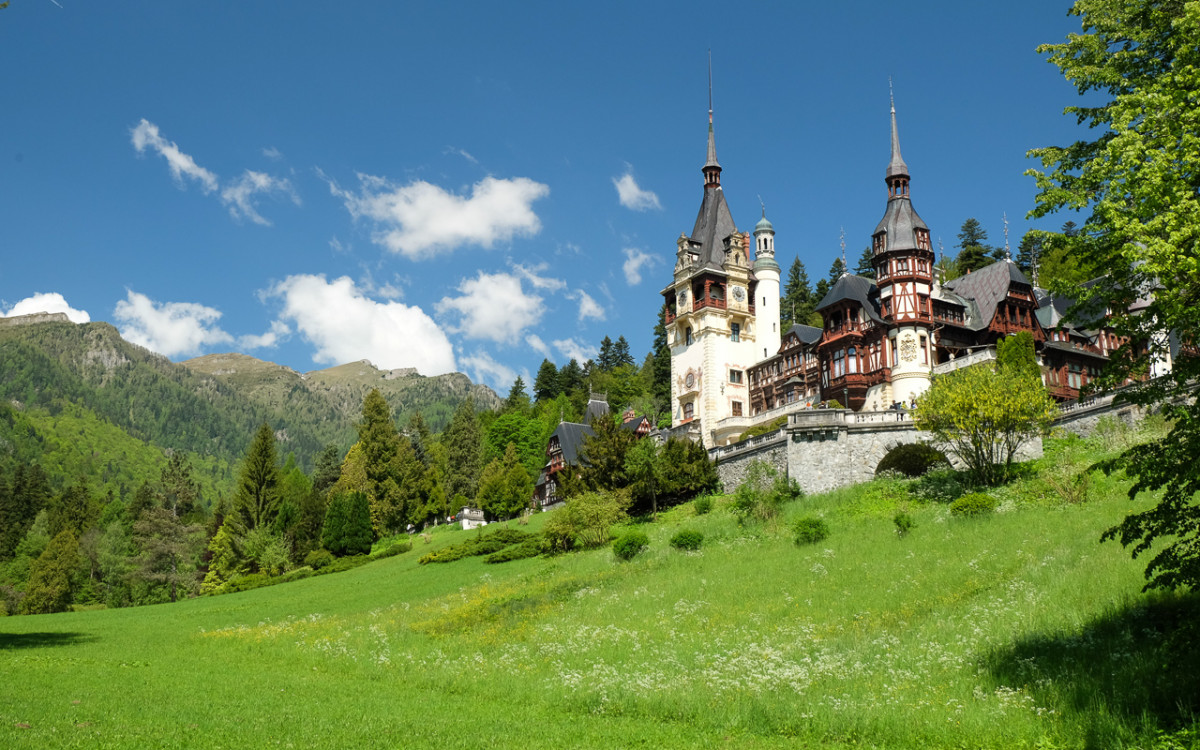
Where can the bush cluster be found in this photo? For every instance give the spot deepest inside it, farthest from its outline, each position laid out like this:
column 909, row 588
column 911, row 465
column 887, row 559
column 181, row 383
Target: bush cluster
column 630, row 544
column 399, row 548
column 904, row 524
column 319, row 558
column 687, row 539
column 911, row 459
column 484, row 544
column 530, row 548
column 702, row 505
column 939, row 486
column 810, row 530
column 763, row 493
column 975, row 504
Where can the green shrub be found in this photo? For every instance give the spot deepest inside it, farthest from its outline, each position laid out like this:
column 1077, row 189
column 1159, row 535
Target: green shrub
column 763, row 493
column 345, row 563
column 630, row 544
column 702, row 505
column 319, row 558
column 530, row 548
column 687, row 539
column 484, row 544
column 904, row 524
column 763, row 429
column 975, row 504
column 911, row 459
column 399, row 548
column 939, row 486
column 810, row 530
column 297, row 574
column 248, row 582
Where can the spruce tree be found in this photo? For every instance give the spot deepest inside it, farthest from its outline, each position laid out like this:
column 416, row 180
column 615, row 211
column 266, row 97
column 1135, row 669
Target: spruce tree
column 973, row 250
column 545, row 385
column 866, row 264
column 660, row 365
column 257, row 499
column 464, row 451
column 837, row 270
column 606, row 360
column 797, row 302
column 50, row 576
column 621, row 355
column 518, row 398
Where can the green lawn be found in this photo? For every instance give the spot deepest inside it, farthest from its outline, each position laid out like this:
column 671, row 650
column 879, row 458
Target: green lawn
column 1018, row 629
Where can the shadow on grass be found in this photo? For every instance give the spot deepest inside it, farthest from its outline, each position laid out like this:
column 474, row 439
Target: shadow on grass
column 11, row 641
column 1131, row 670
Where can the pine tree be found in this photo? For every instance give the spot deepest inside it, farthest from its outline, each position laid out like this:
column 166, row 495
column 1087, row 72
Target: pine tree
column 822, row 289
column 1029, row 252
column 333, row 531
column 170, row 551
column 797, row 302
column 518, row 398
column 224, row 562
column 621, row 354
column 357, row 531
column 257, row 499
column 866, row 264
column 545, row 385
column 464, row 451
column 660, row 365
column 606, row 360
column 973, row 250
column 571, row 378
column 50, row 576
column 837, row 270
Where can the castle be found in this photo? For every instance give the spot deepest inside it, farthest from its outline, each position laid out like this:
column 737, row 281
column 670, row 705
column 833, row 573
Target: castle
column 881, row 340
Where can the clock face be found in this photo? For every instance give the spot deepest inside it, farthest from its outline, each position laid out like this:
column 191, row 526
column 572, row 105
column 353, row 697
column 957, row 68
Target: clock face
column 739, row 294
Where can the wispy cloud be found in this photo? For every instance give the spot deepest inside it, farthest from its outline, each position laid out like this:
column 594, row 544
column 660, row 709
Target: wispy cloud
column 534, row 342
column 461, row 152
column 572, row 349
column 344, row 325
column 272, row 153
column 420, row 219
column 50, row 302
column 239, row 195
column 588, row 307
column 145, row 135
column 632, row 196
column 635, row 260
column 483, row 368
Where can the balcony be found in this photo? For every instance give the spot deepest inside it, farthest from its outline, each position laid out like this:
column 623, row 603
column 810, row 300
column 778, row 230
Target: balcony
column 974, row 358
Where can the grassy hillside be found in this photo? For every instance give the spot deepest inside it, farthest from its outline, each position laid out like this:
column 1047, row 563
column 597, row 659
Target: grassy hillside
column 1013, row 630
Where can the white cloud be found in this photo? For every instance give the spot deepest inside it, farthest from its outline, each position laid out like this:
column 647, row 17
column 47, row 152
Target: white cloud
column 633, row 197
column 484, row 369
column 268, row 340
column 588, row 307
column 419, row 219
column 534, row 342
column 169, row 328
column 344, row 325
column 50, row 302
column 462, row 153
column 145, row 135
column 272, row 153
column 540, row 282
column 493, row 306
column 634, row 261
column 239, row 195
column 572, row 349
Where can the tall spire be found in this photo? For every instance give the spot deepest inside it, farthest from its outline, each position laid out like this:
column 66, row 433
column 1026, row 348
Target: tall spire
column 896, row 166
column 712, row 170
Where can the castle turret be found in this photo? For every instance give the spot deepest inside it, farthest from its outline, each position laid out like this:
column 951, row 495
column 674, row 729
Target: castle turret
column 766, row 293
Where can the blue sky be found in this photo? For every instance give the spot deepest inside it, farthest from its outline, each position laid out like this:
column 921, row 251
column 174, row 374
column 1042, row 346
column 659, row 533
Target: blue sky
column 476, row 186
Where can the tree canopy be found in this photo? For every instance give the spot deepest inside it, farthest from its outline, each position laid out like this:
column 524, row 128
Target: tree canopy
column 1137, row 185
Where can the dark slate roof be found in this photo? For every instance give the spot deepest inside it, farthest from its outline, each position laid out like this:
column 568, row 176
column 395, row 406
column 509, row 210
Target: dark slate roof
column 713, row 224
column 570, row 438
column 987, row 287
column 896, row 166
column 1064, row 346
column 806, row 334
column 900, row 221
column 597, row 407
column 858, row 289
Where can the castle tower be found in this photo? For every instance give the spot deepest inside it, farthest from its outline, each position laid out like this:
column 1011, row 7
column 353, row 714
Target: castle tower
column 766, row 294
column 711, row 320
column 904, row 275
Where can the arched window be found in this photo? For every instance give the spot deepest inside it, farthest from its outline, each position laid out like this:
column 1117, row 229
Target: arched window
column 688, row 410
column 852, row 360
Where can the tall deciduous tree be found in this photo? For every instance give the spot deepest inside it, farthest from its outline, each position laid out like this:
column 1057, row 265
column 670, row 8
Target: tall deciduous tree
column 1139, row 61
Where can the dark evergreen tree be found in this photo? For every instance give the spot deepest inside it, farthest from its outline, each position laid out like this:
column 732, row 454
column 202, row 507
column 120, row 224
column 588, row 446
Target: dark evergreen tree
column 1069, row 229
column 866, row 264
column 257, row 499
column 74, row 508
column 334, row 529
column 837, row 270
column 545, row 385
column 51, row 575
column 819, row 292
column 797, row 302
column 1029, row 252
column 327, row 469
column 973, row 250
column 621, row 354
column 660, row 365
column 571, row 378
column 178, row 490
column 20, row 500
column 603, row 456
column 518, row 397
column 464, row 451
column 606, row 360
column 357, row 535
column 170, row 552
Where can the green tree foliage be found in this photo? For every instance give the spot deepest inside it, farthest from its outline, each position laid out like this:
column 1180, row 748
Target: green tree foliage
column 603, row 456
column 1138, row 184
column 356, row 534
column 393, row 473
column 327, row 469
column 836, row 271
column 545, row 385
column 518, row 397
column 645, row 471
column 796, row 305
column 866, row 264
column 505, row 487
column 1016, row 354
column 169, row 553
column 586, row 521
column 51, row 576
column 984, row 415
column 74, row 508
column 464, row 452
column 21, row 498
column 606, row 359
column 257, row 499
column 973, row 249
column 621, row 355
column 225, row 561
column 1031, row 252
column 659, row 375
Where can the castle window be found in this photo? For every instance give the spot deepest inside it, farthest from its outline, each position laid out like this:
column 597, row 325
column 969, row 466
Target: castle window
column 687, row 337
column 735, row 376
column 688, row 410
column 737, row 408
column 852, row 360
column 924, row 351
column 736, row 331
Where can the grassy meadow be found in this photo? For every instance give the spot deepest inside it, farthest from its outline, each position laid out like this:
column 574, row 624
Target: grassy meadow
column 1013, row 630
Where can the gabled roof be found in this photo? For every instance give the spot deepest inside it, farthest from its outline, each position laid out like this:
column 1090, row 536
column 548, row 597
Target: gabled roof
column 856, row 289
column 634, row 424
column 900, row 221
column 806, row 334
column 596, row 407
column 570, row 439
column 987, row 287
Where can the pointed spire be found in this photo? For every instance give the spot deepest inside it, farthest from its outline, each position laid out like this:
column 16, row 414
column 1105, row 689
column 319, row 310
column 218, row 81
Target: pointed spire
column 1007, row 252
column 712, row 170
column 896, row 166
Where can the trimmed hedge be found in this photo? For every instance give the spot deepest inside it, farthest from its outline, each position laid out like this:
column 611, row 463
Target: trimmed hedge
column 630, row 544
column 810, row 530
column 688, row 540
column 975, row 504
